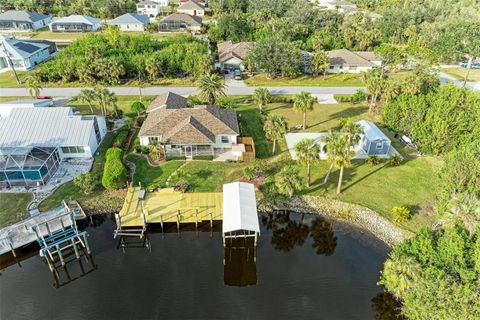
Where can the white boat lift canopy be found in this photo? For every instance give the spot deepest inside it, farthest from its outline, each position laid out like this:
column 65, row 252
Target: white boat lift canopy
column 239, row 208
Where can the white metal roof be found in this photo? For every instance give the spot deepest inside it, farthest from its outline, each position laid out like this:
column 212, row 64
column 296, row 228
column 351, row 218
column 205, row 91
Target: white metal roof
column 239, row 207
column 45, row 127
column 371, row 131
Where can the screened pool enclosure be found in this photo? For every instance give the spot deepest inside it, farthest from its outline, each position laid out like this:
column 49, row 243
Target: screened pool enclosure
column 32, row 166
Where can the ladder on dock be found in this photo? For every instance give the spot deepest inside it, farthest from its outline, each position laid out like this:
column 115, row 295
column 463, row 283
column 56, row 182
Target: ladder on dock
column 55, row 246
column 140, row 232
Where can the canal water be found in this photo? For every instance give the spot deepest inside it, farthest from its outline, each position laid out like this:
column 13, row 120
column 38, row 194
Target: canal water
column 303, row 268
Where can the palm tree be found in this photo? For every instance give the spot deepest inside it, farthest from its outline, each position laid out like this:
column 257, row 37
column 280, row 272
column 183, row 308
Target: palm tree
column 342, row 159
column 400, row 274
column 105, row 99
column 210, row 87
column 373, row 83
column 320, row 62
column 275, row 127
column 288, row 180
column 137, row 107
column 332, row 142
column 390, row 90
column 304, row 102
column 353, row 131
column 33, row 86
column 262, row 96
column 307, row 153
column 87, row 96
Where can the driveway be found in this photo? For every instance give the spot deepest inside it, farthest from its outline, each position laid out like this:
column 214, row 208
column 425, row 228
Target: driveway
column 446, row 78
column 230, row 81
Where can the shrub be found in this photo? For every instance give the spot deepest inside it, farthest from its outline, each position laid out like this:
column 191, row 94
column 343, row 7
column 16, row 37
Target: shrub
column 144, row 149
column 110, row 124
column 359, row 96
column 401, row 214
column 114, row 172
column 86, row 181
column 168, row 158
column 120, row 138
column 372, row 161
column 249, row 172
column 181, row 186
column 207, row 157
column 140, row 121
column 394, row 161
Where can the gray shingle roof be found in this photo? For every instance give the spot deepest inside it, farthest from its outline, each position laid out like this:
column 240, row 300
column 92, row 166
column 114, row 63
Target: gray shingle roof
column 13, row 15
column 192, row 21
column 129, row 18
column 168, row 100
column 347, row 57
column 190, row 5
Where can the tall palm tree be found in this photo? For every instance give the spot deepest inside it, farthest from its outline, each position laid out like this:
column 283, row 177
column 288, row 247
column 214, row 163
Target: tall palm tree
column 332, row 143
column 87, row 96
column 105, row 99
column 275, row 127
column 353, row 131
column 210, row 87
column 343, row 159
column 33, row 86
column 304, row 102
column 400, row 274
column 373, row 83
column 262, row 96
column 307, row 153
column 390, row 90
column 288, row 180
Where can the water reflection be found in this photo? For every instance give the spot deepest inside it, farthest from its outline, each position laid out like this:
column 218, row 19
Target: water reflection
column 289, row 233
column 73, row 270
column 386, row 307
column 240, row 263
column 126, row 242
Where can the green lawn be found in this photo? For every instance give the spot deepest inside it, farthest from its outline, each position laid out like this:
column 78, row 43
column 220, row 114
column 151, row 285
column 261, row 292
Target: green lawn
column 152, row 177
column 124, row 103
column 13, row 207
column 331, row 80
column 460, row 73
column 7, row 80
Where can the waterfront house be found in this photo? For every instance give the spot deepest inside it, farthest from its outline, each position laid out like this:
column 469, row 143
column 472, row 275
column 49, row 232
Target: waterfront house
column 343, row 60
column 130, row 22
column 23, row 21
column 180, row 22
column 75, row 23
column 189, row 132
column 232, row 55
column 7, row 107
column 22, row 55
column 34, row 140
column 192, row 8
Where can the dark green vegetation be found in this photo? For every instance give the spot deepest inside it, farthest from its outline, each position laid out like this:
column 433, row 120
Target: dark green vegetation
column 113, row 58
column 114, row 172
column 13, row 207
column 436, row 274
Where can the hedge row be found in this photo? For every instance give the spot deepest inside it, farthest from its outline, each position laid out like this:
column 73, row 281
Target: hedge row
column 114, row 172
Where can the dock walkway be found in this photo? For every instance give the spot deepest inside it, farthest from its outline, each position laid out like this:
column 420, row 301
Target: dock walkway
column 21, row 233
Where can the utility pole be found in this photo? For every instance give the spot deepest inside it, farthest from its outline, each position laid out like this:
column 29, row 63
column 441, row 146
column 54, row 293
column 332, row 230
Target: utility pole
column 10, row 63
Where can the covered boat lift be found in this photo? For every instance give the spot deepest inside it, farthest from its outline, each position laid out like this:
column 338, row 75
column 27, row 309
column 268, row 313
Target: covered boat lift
column 240, row 216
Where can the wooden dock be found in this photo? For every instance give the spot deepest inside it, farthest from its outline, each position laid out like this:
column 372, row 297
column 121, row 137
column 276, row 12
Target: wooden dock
column 169, row 206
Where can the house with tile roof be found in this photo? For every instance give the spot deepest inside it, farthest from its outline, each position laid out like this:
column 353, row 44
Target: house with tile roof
column 130, row 22
column 23, row 21
column 232, row 55
column 192, row 8
column 343, row 60
column 75, row 23
column 189, row 132
column 23, row 55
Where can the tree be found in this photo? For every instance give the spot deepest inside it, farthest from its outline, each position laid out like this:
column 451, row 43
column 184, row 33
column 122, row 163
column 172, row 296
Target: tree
column 33, row 86
column 333, row 141
column 114, row 172
column 353, row 131
column 307, row 154
column 155, row 149
column 320, row 62
column 275, row 127
column 86, row 181
column 105, row 99
column 288, row 180
column 391, row 56
column 262, row 96
column 304, row 102
column 129, row 122
column 210, row 87
column 138, row 107
column 373, row 81
column 343, row 159
column 87, row 96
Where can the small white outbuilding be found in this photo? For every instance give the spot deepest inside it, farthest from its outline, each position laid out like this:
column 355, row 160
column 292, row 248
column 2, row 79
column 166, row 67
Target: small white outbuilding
column 240, row 216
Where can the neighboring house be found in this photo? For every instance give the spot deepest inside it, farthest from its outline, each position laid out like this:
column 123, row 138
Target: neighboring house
column 149, row 8
column 23, row 55
column 180, row 22
column 338, row 5
column 189, row 132
column 130, row 22
column 75, row 23
column 343, row 60
column 232, row 55
column 167, row 100
column 22, row 21
column 7, row 107
column 374, row 141
column 203, row 3
column 162, row 3
column 306, row 61
column 192, row 8
column 33, row 142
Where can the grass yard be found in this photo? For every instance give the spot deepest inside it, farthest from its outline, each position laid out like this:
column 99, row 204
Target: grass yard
column 331, row 80
column 460, row 73
column 152, row 177
column 7, row 80
column 124, row 103
column 13, row 207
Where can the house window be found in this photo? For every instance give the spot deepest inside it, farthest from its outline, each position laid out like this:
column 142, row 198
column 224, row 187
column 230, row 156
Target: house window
column 73, row 149
column 353, row 67
column 379, row 145
column 331, row 67
column 225, row 139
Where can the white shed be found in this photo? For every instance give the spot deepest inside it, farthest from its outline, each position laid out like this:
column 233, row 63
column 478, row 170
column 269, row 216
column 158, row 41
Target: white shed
column 240, row 216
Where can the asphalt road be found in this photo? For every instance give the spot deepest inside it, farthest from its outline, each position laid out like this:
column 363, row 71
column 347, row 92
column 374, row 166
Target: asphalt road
column 132, row 91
